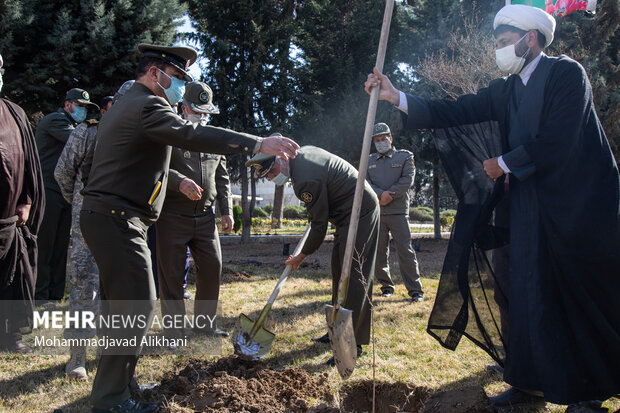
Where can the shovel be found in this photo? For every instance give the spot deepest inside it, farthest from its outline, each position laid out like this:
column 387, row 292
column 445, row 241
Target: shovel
column 250, row 339
column 339, row 319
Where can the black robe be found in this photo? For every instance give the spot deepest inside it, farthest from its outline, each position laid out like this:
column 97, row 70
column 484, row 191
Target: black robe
column 564, row 312
column 18, row 245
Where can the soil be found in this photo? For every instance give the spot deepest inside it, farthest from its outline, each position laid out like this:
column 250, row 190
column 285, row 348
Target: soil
column 231, row 384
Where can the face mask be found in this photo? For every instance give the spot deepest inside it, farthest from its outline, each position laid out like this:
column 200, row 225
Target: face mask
column 280, row 179
column 79, row 114
column 176, row 90
column 196, row 118
column 1, row 82
column 507, row 59
column 382, row 147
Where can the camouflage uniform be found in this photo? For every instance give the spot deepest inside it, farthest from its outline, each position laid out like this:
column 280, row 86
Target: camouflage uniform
column 83, row 272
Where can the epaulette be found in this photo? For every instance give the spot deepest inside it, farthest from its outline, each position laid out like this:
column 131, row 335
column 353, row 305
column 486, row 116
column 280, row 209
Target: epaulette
column 91, row 122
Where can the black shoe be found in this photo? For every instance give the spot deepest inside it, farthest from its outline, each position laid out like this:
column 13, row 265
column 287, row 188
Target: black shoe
column 590, row 406
column 495, row 368
column 322, row 339
column 387, row 293
column 129, row 406
column 514, row 397
column 331, row 362
column 417, row 297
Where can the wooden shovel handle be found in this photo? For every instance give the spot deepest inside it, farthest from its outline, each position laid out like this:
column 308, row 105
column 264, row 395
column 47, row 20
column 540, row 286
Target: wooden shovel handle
column 361, row 176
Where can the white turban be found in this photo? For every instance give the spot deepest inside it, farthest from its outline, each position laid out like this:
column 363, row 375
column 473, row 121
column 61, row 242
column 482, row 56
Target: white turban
column 526, row 18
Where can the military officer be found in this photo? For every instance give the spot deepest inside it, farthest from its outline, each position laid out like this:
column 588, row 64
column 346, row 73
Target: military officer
column 83, row 273
column 51, row 136
column 326, row 184
column 196, row 181
column 391, row 173
column 124, row 196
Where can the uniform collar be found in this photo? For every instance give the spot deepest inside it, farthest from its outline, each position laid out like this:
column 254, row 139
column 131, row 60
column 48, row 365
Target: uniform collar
column 388, row 154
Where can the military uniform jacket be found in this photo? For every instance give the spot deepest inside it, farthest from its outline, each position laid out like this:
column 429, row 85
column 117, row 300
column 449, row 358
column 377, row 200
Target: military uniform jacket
column 395, row 172
column 209, row 172
column 326, row 184
column 51, row 136
column 129, row 174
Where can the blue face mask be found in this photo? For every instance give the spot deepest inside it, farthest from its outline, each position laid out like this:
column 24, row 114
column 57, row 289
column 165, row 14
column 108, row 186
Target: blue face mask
column 280, row 179
column 79, row 114
column 176, row 90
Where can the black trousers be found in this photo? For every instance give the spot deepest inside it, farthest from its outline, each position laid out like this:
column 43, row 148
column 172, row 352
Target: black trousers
column 53, row 242
column 127, row 287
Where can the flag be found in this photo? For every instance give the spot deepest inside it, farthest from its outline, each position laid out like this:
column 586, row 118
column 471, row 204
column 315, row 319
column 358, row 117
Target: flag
column 559, row 8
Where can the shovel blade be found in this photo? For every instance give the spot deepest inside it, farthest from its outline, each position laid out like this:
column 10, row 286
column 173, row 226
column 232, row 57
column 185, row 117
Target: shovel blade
column 252, row 348
column 342, row 339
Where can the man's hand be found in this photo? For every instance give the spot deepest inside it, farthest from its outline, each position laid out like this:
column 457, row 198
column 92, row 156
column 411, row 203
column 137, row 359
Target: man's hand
column 492, row 168
column 227, row 223
column 386, row 92
column 23, row 212
column 385, row 198
column 279, row 146
column 295, row 261
column 190, row 189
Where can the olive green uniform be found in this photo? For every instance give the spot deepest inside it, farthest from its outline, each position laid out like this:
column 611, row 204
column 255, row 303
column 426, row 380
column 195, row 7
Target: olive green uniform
column 326, row 184
column 123, row 197
column 395, row 172
column 185, row 223
column 51, row 135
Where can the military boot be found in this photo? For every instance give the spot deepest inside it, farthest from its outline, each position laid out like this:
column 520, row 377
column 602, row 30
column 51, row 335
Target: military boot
column 76, row 367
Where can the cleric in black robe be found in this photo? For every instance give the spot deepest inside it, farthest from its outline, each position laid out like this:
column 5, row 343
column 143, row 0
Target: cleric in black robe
column 21, row 185
column 564, row 313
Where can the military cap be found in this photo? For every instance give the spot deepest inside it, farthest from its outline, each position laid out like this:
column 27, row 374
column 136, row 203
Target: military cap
column 262, row 164
column 180, row 57
column 380, row 129
column 80, row 96
column 199, row 97
column 123, row 89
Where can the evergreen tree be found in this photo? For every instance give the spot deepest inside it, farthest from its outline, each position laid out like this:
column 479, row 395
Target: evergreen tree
column 91, row 44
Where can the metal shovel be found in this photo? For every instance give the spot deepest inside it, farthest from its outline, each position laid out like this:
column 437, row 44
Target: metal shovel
column 339, row 319
column 250, row 339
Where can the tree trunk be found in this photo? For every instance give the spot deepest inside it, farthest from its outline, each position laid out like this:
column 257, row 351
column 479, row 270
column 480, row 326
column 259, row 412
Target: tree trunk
column 278, row 204
column 437, row 222
column 245, row 207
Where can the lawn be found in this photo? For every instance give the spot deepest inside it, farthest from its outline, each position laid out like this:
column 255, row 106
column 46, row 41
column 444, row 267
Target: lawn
column 404, row 351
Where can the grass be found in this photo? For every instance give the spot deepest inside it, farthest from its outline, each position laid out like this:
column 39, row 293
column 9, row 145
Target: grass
column 405, row 352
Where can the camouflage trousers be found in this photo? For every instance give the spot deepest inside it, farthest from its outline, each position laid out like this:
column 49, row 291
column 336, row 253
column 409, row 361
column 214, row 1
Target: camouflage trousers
column 83, row 275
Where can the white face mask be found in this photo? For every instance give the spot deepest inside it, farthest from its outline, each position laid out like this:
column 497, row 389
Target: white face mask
column 507, row 59
column 383, row 147
column 1, row 82
column 198, row 118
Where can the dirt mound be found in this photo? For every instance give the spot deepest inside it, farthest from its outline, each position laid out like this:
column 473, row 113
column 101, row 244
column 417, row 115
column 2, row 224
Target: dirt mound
column 389, row 397
column 231, row 385
column 229, row 275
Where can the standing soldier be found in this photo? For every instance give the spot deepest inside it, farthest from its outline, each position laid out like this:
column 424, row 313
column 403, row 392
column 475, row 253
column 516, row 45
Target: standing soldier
column 70, row 173
column 391, row 173
column 51, row 136
column 196, row 181
column 124, row 196
column 326, row 184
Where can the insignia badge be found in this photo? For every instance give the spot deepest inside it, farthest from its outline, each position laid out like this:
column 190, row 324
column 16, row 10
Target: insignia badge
column 412, row 163
column 204, row 97
column 306, row 197
column 187, row 154
column 85, row 95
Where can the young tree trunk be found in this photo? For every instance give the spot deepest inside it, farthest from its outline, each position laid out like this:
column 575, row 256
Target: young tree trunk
column 278, row 203
column 437, row 222
column 245, row 207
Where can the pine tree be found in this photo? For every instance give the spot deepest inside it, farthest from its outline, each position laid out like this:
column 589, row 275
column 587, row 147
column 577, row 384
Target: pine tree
column 91, row 44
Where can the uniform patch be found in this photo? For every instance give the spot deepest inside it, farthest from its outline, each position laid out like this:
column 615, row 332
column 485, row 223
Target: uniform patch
column 412, row 163
column 397, row 165
column 210, row 156
column 187, row 154
column 204, row 97
column 306, row 197
column 372, row 166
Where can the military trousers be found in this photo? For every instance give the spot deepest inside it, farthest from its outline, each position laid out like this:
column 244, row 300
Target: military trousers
column 398, row 226
column 53, row 242
column 126, row 284
column 174, row 234
column 360, row 284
